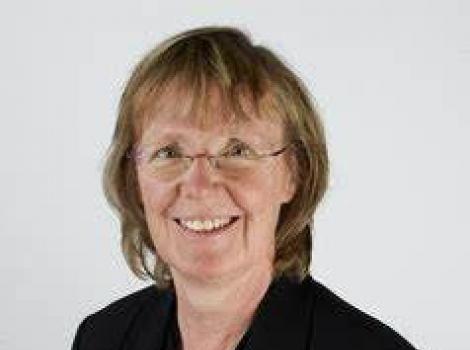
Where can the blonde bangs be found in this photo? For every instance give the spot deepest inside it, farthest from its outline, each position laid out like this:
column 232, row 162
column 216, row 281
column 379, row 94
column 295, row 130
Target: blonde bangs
column 203, row 81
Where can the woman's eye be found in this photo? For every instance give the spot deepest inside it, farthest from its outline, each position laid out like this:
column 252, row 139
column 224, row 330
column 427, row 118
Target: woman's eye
column 165, row 153
column 239, row 150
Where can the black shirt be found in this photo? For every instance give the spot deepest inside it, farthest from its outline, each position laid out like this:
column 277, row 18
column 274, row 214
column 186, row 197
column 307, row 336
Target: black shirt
column 173, row 336
column 290, row 316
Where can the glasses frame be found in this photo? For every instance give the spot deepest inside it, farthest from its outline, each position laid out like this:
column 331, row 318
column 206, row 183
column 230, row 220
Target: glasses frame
column 212, row 159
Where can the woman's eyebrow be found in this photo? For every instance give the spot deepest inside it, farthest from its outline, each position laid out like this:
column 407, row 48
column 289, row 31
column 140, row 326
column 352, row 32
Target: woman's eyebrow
column 237, row 133
column 164, row 138
column 224, row 142
column 175, row 136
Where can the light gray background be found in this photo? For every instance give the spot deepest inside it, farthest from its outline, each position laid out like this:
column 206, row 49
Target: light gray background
column 391, row 80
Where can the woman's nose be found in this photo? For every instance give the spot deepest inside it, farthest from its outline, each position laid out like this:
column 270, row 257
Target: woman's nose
column 199, row 178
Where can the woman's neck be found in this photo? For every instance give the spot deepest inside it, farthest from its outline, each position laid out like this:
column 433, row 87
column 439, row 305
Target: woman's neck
column 215, row 315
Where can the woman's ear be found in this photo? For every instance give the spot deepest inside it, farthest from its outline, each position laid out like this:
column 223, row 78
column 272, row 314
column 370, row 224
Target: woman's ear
column 291, row 189
column 291, row 179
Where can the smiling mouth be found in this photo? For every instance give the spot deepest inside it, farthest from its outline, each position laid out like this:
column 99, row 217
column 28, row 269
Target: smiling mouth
column 207, row 232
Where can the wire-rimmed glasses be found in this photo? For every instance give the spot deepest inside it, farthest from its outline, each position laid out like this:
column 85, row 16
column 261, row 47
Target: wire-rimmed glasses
column 166, row 164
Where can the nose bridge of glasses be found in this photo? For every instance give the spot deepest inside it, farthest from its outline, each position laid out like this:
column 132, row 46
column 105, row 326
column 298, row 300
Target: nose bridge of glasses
column 202, row 156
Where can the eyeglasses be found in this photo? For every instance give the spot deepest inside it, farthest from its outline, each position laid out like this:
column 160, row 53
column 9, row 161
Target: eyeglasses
column 167, row 163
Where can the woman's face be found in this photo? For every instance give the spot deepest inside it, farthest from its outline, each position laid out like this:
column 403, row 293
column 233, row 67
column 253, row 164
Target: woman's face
column 202, row 192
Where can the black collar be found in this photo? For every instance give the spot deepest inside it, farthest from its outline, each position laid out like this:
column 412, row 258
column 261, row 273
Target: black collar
column 283, row 318
column 281, row 321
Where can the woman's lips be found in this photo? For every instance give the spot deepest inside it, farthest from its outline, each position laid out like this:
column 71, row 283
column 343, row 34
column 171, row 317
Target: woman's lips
column 210, row 233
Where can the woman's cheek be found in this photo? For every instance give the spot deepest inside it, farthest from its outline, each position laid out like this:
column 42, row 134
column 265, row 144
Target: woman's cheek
column 156, row 198
column 257, row 193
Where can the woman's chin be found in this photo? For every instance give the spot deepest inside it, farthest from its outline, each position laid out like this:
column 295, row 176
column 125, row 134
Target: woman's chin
column 204, row 273
column 209, row 267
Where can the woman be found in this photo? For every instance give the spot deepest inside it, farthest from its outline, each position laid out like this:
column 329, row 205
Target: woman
column 217, row 164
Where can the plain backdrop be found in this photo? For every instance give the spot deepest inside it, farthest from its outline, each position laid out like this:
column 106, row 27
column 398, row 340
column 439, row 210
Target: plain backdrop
column 391, row 79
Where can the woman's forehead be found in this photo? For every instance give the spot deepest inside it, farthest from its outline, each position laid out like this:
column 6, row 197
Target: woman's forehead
column 174, row 116
column 179, row 109
column 256, row 131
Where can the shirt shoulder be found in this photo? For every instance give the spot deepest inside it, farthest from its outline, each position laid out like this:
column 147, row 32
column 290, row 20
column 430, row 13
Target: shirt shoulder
column 118, row 322
column 339, row 325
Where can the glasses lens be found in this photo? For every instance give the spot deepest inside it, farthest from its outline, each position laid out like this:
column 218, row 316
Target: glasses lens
column 235, row 164
column 166, row 168
column 171, row 168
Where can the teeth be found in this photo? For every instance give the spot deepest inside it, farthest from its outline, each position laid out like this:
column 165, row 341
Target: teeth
column 205, row 225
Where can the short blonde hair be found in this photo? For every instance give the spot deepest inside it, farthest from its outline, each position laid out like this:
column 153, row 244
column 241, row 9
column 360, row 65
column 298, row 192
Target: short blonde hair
column 224, row 58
